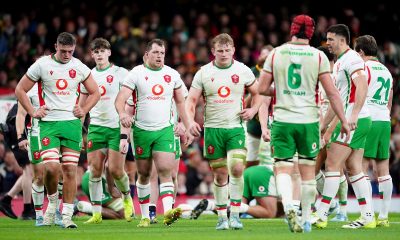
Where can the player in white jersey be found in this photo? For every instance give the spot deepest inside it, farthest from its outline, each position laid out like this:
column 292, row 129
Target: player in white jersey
column 351, row 81
column 59, row 76
column 104, row 131
column 296, row 68
column 155, row 86
column 222, row 83
column 179, row 130
column 341, row 215
column 379, row 102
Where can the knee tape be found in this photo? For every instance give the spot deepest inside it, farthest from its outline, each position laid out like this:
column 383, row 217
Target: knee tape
column 70, row 158
column 50, row 156
column 218, row 164
column 283, row 162
column 307, row 161
column 236, row 156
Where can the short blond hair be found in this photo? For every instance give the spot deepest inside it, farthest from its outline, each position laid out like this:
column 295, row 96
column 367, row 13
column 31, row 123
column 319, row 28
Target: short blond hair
column 222, row 38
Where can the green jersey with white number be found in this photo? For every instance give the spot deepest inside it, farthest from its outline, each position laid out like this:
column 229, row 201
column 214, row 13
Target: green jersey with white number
column 380, row 83
column 295, row 68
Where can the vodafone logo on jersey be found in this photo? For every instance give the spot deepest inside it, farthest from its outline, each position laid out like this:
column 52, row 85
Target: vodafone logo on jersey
column 72, row 73
column 235, row 78
column 110, row 78
column 61, row 84
column 102, row 90
column 167, row 78
column 224, row 91
column 157, row 89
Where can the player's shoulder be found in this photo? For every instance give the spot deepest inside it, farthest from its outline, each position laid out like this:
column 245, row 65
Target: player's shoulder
column 206, row 67
column 169, row 69
column 120, row 70
column 45, row 59
column 137, row 69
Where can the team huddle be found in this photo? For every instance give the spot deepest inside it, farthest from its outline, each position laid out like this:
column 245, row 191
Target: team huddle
column 151, row 108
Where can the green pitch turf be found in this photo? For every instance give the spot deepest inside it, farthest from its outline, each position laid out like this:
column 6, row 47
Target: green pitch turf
column 202, row 229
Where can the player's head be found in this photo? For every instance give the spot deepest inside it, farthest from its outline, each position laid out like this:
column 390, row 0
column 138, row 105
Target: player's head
column 264, row 54
column 223, row 48
column 155, row 53
column 366, row 46
column 329, row 55
column 65, row 47
column 302, row 27
column 101, row 50
column 338, row 38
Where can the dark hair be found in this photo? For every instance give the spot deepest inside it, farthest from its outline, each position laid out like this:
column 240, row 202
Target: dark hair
column 341, row 30
column 328, row 54
column 99, row 43
column 367, row 44
column 157, row 41
column 66, row 38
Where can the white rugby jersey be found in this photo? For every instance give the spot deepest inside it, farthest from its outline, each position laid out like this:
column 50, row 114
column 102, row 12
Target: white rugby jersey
column 295, row 68
column 223, row 91
column 109, row 81
column 58, row 85
column 154, row 91
column 347, row 63
column 380, row 83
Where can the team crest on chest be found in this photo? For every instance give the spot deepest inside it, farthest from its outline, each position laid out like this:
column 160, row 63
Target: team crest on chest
column 235, row 78
column 72, row 73
column 167, row 78
column 110, row 78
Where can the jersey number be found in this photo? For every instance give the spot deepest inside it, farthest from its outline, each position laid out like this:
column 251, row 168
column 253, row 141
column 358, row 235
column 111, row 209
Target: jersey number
column 384, row 85
column 294, row 78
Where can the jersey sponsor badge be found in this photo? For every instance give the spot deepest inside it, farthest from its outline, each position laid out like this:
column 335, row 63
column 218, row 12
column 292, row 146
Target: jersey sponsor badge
column 157, row 89
column 224, row 91
column 110, row 78
column 46, row 141
column 210, row 149
column 72, row 73
column 167, row 78
column 235, row 78
column 61, row 84
column 261, row 189
column 102, row 90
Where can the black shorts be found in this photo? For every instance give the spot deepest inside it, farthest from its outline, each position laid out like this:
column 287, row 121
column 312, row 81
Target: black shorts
column 21, row 156
column 129, row 154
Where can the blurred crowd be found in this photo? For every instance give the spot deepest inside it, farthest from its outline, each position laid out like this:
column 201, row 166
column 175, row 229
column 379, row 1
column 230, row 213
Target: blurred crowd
column 30, row 31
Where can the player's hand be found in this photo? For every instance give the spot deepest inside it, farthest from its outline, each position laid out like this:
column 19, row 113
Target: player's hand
column 179, row 129
column 23, row 145
column 125, row 120
column 123, row 146
column 345, row 131
column 322, row 129
column 40, row 112
column 188, row 139
column 266, row 135
column 195, row 129
column 248, row 113
column 326, row 137
column 79, row 112
column 352, row 121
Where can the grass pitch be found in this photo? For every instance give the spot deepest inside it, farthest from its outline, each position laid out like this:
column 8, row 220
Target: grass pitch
column 202, row 229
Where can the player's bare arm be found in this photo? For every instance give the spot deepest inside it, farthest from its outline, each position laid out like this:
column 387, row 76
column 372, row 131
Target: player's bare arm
column 359, row 80
column 336, row 103
column 125, row 132
column 24, row 85
column 120, row 101
column 263, row 117
column 20, row 127
column 264, row 83
column 180, row 106
column 248, row 113
column 92, row 99
column 191, row 102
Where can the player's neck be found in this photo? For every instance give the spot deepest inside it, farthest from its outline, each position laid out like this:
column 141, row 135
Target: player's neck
column 370, row 58
column 103, row 67
column 300, row 41
column 223, row 66
column 152, row 68
column 343, row 50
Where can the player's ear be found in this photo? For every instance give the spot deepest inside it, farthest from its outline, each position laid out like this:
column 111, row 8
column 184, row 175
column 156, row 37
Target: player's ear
column 55, row 46
column 213, row 51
